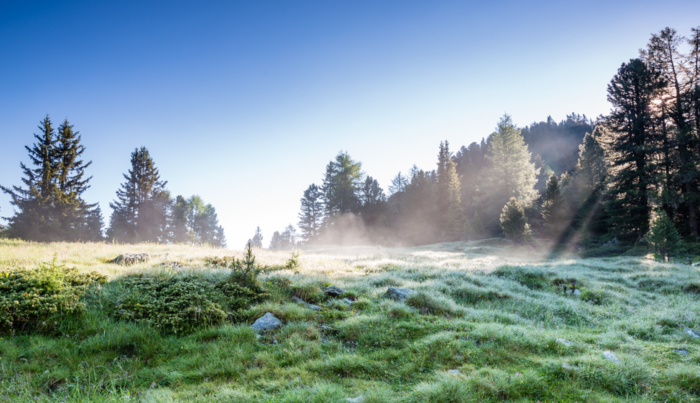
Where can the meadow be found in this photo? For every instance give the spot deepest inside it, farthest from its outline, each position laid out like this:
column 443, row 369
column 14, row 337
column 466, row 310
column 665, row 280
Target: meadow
column 487, row 322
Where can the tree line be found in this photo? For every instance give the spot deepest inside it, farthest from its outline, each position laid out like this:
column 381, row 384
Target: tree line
column 580, row 181
column 50, row 206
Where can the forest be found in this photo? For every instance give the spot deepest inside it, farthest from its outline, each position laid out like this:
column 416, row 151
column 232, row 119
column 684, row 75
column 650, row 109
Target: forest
column 630, row 178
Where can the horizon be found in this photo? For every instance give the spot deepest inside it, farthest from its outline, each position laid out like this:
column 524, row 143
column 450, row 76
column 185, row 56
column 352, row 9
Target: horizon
column 256, row 100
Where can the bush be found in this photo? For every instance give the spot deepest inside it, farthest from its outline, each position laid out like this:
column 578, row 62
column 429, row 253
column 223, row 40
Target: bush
column 29, row 298
column 177, row 304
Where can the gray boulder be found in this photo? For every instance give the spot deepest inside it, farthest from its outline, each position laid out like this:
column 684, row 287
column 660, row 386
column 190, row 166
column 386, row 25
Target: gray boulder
column 129, row 259
column 692, row 333
column 358, row 399
column 333, row 291
column 565, row 342
column 306, row 304
column 681, row 351
column 610, row 356
column 266, row 322
column 397, row 294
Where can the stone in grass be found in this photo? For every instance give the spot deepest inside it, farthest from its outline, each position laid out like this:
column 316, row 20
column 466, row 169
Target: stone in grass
column 358, row 399
column 266, row 322
column 128, row 259
column 568, row 367
column 692, row 332
column 347, row 301
column 397, row 294
column 610, row 356
column 453, row 372
column 306, row 304
column 681, row 351
column 333, row 291
column 565, row 342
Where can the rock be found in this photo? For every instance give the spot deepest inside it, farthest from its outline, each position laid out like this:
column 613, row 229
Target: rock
column 681, row 351
column 334, row 291
column 610, row 356
column 306, row 304
column 453, row 372
column 397, row 294
column 358, row 399
column 565, row 342
column 696, row 264
column 692, row 333
column 577, row 292
column 128, row 259
column 347, row 301
column 266, row 322
column 568, row 367
column 174, row 265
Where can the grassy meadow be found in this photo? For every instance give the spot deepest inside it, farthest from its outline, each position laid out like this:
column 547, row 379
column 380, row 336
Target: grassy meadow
column 488, row 322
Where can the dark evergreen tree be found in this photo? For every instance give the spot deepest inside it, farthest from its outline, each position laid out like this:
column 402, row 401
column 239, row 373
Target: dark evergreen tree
column 311, row 215
column 257, row 240
column 373, row 203
column 140, row 212
column 553, row 214
column 514, row 222
column 341, row 187
column 180, row 229
column 633, row 147
column 664, row 236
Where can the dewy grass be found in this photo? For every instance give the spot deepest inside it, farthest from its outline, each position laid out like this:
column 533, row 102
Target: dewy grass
column 488, row 322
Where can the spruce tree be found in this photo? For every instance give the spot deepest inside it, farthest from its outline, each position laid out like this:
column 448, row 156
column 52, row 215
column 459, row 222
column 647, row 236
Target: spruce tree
column 553, row 208
column 276, row 241
column 341, row 187
column 443, row 182
column 508, row 173
column 514, row 222
column 257, row 239
column 35, row 219
column 453, row 226
column 51, row 207
column 180, row 231
column 311, row 215
column 633, row 148
column 140, row 212
column 663, row 235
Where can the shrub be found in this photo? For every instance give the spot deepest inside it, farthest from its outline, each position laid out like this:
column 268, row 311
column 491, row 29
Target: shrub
column 293, row 262
column 595, row 297
column 514, row 222
column 29, row 298
column 310, row 293
column 177, row 304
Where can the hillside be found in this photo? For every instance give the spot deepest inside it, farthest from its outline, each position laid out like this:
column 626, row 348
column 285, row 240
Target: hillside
column 486, row 322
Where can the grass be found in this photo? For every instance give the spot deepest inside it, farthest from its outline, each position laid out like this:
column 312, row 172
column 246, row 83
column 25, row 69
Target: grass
column 494, row 313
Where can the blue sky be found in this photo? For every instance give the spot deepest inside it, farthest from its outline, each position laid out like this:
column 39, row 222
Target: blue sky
column 244, row 103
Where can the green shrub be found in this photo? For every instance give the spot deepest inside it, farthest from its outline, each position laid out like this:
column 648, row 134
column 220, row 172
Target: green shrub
column 178, row 304
column 30, row 298
column 293, row 262
column 595, row 297
column 310, row 293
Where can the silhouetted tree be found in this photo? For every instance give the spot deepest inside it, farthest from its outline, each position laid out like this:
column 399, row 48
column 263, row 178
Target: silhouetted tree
column 514, row 222
column 311, row 215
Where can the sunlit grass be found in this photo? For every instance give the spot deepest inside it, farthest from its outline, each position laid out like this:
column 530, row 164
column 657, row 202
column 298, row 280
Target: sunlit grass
column 483, row 325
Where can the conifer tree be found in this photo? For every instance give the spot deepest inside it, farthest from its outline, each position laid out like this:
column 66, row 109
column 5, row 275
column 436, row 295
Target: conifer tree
column 179, row 224
column 257, row 240
column 453, row 226
column 311, row 215
column 508, row 173
column 35, row 218
column 553, row 208
column 276, row 241
column 664, row 235
column 633, row 147
column 341, row 187
column 140, row 212
column 514, row 222
column 443, row 181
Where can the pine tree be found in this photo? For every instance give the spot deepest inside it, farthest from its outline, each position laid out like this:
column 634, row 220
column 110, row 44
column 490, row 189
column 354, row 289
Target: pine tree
column 553, row 208
column 276, row 241
column 257, row 240
column 140, row 212
column 514, row 222
column 35, row 219
column 633, row 147
column 180, row 231
column 51, row 207
column 508, row 173
column 443, row 182
column 453, row 226
column 664, row 236
column 311, row 215
column 341, row 187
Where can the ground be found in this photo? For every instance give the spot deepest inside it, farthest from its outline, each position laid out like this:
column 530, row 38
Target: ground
column 488, row 321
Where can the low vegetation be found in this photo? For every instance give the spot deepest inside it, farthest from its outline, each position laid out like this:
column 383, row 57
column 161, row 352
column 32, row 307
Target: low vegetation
column 487, row 321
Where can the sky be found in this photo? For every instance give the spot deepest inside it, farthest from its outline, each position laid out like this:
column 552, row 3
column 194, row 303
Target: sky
column 245, row 102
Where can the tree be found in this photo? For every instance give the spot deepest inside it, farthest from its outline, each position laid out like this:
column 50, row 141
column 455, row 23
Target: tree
column 257, row 240
column 50, row 207
column 453, row 227
column 633, row 146
column 276, row 241
column 514, row 222
column 553, row 208
column 663, row 235
column 443, row 181
column 140, row 212
column 311, row 215
column 341, row 186
column 398, row 184
column 508, row 173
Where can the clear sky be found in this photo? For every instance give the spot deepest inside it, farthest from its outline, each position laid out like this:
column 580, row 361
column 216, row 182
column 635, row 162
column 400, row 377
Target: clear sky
column 244, row 103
